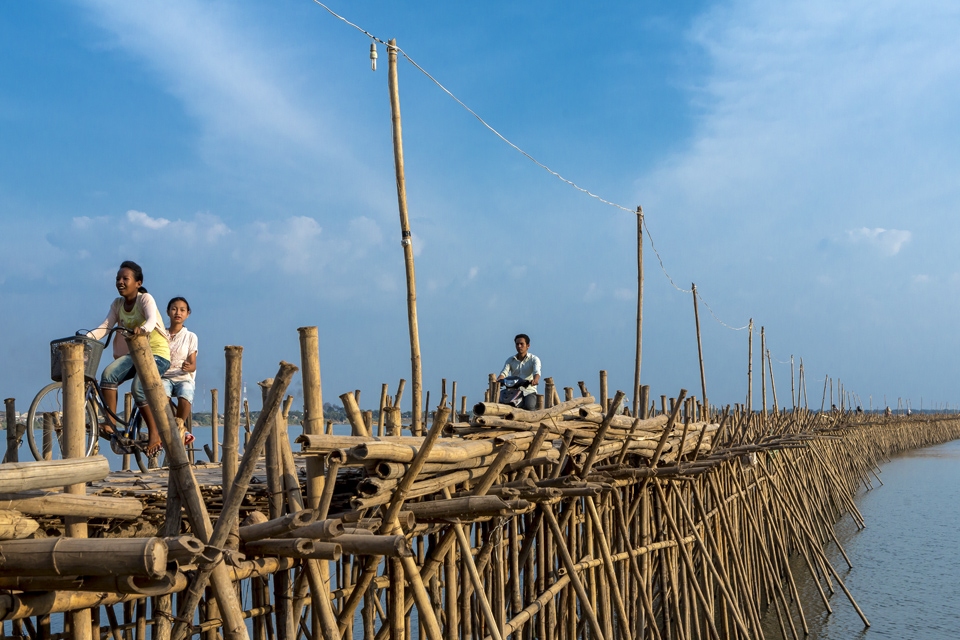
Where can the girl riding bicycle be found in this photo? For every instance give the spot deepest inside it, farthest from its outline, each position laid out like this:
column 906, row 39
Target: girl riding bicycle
column 180, row 379
column 135, row 310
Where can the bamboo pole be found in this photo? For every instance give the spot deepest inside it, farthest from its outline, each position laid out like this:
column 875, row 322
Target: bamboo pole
column 214, row 426
column 773, row 384
column 14, row 432
column 406, row 238
column 763, row 375
column 182, row 473
column 703, row 378
column 750, row 367
column 389, row 525
column 384, row 396
column 233, row 383
column 639, row 354
column 354, row 415
column 71, row 361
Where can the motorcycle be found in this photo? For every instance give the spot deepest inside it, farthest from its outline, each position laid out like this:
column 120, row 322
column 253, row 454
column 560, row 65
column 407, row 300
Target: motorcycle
column 511, row 390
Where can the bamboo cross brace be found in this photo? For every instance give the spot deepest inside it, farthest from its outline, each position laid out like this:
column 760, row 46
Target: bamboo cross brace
column 819, row 552
column 780, row 546
column 601, row 539
column 449, row 538
column 806, row 557
column 685, row 555
column 229, row 513
column 601, row 433
column 645, row 600
column 718, row 573
column 467, row 554
column 390, row 524
column 182, row 473
column 735, row 551
column 763, row 555
column 568, row 563
column 668, row 429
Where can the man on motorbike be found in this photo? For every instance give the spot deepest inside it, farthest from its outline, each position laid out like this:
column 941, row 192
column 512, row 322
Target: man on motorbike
column 526, row 366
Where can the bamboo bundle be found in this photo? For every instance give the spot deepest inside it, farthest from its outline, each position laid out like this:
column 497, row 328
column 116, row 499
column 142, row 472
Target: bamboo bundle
column 183, row 549
column 466, row 508
column 145, row 557
column 67, row 504
column 126, row 584
column 284, row 548
column 47, row 474
column 277, row 527
column 14, row 525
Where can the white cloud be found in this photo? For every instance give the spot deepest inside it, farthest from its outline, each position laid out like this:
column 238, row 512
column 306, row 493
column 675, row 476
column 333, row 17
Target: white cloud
column 472, row 273
column 86, row 222
column 814, row 115
column 142, row 219
column 292, row 243
column 887, row 241
column 213, row 62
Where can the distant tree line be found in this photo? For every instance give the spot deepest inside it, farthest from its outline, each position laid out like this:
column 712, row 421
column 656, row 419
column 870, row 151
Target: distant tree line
column 333, row 412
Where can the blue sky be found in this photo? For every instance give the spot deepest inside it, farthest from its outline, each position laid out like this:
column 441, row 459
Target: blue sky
column 798, row 161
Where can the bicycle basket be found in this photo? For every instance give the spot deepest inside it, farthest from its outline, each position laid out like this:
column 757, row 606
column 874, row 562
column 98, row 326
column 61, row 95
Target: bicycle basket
column 92, row 350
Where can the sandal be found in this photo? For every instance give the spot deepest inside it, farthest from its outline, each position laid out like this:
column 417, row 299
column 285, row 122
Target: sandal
column 123, row 446
column 105, row 430
column 156, row 452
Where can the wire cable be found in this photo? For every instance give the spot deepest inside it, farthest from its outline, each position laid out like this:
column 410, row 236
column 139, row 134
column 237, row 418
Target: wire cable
column 526, row 155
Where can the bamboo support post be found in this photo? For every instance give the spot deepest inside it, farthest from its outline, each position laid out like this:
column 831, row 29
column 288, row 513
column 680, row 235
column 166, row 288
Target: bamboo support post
column 639, row 352
column 703, row 378
column 14, row 432
column 406, row 238
column 232, row 397
column 214, row 426
column 71, row 361
column 188, row 489
column 354, row 415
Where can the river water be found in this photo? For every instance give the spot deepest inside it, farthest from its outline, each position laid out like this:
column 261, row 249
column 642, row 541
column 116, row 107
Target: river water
column 906, row 562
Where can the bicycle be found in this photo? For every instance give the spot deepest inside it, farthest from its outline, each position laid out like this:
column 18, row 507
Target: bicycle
column 125, row 438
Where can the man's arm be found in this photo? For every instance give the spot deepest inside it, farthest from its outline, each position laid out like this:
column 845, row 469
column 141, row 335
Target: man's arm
column 506, row 370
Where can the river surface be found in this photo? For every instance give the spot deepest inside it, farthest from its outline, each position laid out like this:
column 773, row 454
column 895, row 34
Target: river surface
column 906, row 562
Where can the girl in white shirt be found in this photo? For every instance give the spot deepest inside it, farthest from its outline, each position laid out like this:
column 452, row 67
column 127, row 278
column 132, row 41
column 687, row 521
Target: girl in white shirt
column 180, row 379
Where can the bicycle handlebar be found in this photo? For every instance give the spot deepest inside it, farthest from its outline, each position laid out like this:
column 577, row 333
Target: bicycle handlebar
column 110, row 332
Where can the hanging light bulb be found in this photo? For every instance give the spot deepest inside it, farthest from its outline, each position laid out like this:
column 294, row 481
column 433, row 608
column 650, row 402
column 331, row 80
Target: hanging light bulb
column 373, row 56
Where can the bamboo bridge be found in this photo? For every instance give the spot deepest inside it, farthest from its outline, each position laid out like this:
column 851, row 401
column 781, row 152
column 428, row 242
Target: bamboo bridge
column 576, row 520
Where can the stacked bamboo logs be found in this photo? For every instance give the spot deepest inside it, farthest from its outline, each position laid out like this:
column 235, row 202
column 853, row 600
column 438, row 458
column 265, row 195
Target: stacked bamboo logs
column 571, row 521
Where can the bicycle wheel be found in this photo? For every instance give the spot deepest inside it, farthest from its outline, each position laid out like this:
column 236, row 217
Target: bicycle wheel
column 50, row 401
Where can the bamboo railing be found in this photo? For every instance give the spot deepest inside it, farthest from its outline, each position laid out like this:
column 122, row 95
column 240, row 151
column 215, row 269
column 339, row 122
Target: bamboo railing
column 567, row 522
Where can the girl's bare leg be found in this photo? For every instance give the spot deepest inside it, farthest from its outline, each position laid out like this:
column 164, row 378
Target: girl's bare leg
column 109, row 399
column 153, row 445
column 183, row 409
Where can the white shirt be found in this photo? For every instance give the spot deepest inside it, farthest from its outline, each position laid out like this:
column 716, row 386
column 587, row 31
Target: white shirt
column 182, row 344
column 526, row 369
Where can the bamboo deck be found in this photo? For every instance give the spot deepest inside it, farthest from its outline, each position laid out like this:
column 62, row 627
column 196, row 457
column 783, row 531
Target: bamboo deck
column 568, row 522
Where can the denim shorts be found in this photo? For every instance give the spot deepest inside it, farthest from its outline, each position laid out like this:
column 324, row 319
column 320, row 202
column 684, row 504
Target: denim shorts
column 122, row 369
column 183, row 389
column 118, row 372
